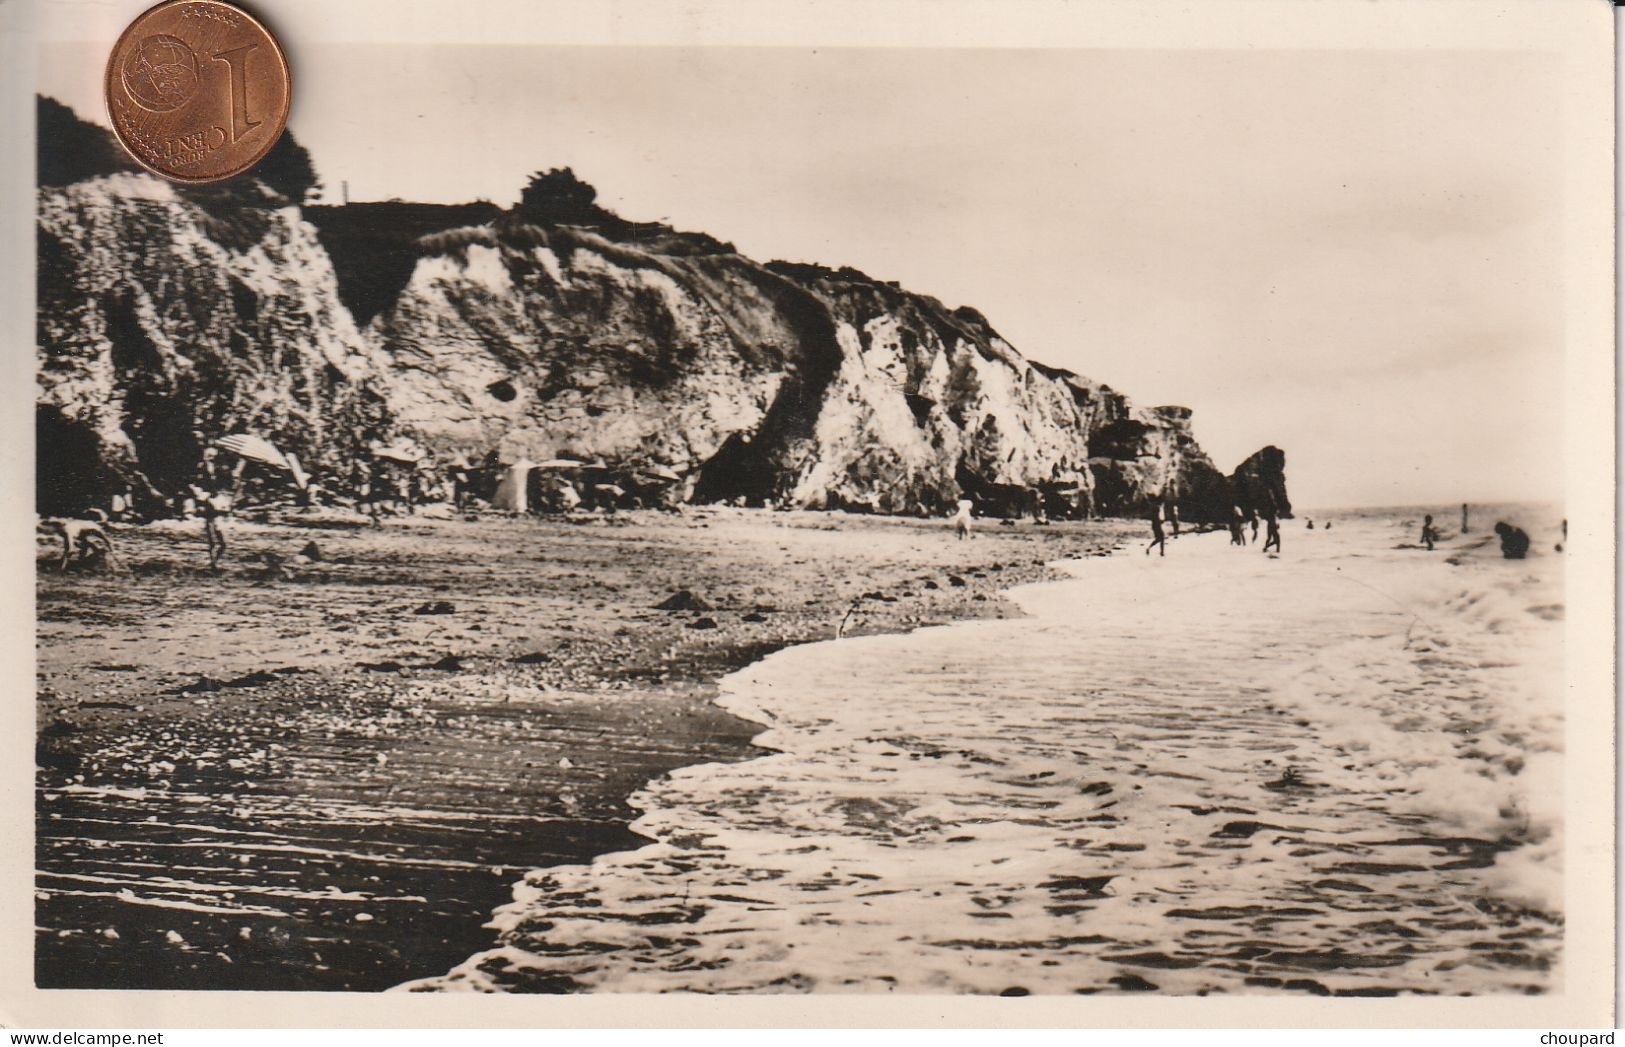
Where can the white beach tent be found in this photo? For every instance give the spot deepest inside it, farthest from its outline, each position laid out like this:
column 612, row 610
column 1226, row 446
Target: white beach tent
column 510, row 493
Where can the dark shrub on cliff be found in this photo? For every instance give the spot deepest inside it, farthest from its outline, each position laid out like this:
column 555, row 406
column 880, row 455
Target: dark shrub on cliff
column 287, row 170
column 71, row 149
column 558, row 197
column 375, row 245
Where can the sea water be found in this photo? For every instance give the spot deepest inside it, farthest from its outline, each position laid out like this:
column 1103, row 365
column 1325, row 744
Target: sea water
column 1334, row 771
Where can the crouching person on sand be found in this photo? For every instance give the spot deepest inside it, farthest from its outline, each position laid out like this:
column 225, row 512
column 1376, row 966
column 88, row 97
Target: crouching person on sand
column 83, row 541
column 962, row 520
column 1514, row 542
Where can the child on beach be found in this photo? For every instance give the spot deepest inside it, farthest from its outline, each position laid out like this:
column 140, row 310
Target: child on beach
column 1158, row 540
column 962, row 520
column 1429, row 535
column 1272, row 533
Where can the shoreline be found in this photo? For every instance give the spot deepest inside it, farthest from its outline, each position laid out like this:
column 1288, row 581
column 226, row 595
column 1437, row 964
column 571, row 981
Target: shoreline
column 1181, row 833
column 405, row 735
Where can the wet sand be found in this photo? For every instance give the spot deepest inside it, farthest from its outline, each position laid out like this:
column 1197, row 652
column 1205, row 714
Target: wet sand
column 329, row 780
column 1337, row 772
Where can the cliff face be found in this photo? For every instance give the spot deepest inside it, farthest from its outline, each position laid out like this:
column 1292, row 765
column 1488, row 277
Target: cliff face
column 543, row 343
column 169, row 317
column 782, row 384
column 162, row 325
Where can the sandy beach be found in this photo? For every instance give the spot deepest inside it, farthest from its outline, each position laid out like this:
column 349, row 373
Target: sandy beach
column 330, row 779
column 1336, row 772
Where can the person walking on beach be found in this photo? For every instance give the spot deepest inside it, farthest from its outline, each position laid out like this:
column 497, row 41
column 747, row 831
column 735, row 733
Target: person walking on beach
column 213, row 494
column 1429, row 535
column 1159, row 541
column 1272, row 533
column 1236, row 537
column 962, row 519
column 1173, row 519
column 1252, row 518
column 1463, row 517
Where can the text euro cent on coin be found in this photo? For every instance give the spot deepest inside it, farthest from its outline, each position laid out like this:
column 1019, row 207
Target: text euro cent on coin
column 197, row 90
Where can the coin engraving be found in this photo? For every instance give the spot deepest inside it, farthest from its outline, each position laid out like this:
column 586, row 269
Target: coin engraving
column 161, row 73
column 197, row 90
column 218, row 14
column 237, row 60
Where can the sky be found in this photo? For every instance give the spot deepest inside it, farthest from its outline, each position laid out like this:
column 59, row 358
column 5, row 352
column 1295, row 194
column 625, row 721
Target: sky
column 1354, row 255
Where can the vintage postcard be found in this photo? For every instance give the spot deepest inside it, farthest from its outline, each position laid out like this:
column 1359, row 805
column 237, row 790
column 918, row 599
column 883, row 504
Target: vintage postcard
column 999, row 513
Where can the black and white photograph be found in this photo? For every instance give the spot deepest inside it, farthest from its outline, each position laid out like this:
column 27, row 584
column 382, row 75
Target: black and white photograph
column 619, row 501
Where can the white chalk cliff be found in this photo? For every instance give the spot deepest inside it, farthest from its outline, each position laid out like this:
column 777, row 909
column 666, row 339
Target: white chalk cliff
column 170, row 316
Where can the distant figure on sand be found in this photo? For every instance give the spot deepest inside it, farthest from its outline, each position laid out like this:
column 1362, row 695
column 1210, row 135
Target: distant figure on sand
column 1514, row 543
column 1463, row 517
column 962, row 520
column 1173, row 519
column 213, row 501
column 1311, row 526
column 214, row 507
column 1159, row 541
column 1429, row 535
column 1237, row 519
column 1253, row 519
column 1272, row 533
column 1035, row 506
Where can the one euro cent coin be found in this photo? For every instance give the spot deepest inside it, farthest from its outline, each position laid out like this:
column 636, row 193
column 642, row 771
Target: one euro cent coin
column 197, row 90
